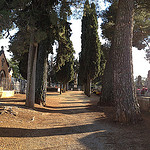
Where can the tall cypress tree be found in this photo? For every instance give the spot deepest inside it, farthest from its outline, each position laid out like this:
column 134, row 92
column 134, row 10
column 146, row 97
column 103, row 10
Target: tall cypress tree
column 65, row 58
column 66, row 73
column 90, row 53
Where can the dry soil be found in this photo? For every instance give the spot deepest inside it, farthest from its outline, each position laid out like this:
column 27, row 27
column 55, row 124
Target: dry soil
column 71, row 121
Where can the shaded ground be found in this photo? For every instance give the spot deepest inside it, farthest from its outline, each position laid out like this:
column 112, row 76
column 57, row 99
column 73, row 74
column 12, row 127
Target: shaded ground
column 70, row 121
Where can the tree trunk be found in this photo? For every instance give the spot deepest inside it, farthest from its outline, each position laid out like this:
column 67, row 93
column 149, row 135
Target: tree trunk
column 64, row 87
column 31, row 73
column 88, row 86
column 127, row 107
column 106, row 97
column 41, row 75
column 60, row 87
column 85, row 88
column 67, row 86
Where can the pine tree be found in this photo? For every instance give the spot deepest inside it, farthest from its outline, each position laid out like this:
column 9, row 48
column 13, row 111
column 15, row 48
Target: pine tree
column 127, row 107
column 138, row 41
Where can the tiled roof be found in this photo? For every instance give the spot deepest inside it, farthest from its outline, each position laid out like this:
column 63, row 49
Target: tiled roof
column 2, row 52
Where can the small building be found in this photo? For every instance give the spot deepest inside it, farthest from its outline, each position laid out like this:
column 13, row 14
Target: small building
column 4, row 67
column 5, row 77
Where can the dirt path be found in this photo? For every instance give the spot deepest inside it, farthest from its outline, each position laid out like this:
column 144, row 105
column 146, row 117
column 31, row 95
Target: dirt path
column 70, row 121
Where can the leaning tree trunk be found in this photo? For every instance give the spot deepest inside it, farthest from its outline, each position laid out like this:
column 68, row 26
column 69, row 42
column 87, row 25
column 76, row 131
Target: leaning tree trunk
column 106, row 97
column 41, row 75
column 31, row 73
column 127, row 107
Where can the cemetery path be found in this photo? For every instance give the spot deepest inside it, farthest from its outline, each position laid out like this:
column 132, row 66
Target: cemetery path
column 70, row 121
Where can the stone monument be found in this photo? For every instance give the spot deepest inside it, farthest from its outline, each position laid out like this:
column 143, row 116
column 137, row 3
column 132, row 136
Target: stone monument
column 75, row 82
column 139, row 84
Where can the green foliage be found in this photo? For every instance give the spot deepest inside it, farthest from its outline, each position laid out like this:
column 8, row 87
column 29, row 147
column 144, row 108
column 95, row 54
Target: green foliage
column 14, row 65
column 63, row 51
column 65, row 47
column 66, row 72
column 143, row 4
column 65, row 60
column 109, row 18
column 6, row 18
column 141, row 30
column 90, row 54
column 19, row 44
column 76, row 66
column 23, row 65
column 104, row 54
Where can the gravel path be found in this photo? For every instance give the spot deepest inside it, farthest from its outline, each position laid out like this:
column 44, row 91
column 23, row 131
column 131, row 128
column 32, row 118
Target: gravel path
column 70, row 121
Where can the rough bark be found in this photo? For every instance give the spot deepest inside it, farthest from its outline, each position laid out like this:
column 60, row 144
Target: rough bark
column 41, row 75
column 106, row 98
column 127, row 107
column 31, row 73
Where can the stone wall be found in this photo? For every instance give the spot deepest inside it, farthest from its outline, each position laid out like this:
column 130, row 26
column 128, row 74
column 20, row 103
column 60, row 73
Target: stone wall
column 144, row 103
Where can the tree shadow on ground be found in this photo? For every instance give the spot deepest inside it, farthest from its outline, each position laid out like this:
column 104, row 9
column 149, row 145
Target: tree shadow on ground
column 63, row 111
column 73, row 102
column 65, row 107
column 12, row 100
column 90, row 107
column 22, row 132
column 118, row 137
column 49, row 109
column 52, row 94
column 22, row 105
column 97, row 132
column 83, row 97
column 70, row 100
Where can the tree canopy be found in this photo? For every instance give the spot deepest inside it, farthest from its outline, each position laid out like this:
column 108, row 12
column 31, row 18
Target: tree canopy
column 141, row 30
